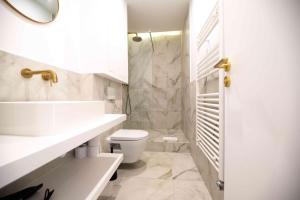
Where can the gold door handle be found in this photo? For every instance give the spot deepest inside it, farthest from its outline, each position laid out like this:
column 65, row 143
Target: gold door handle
column 224, row 64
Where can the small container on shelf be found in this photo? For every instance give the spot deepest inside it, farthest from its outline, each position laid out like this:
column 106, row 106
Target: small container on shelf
column 94, row 147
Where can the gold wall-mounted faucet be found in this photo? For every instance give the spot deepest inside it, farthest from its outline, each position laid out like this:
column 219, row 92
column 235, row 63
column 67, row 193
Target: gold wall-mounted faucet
column 47, row 75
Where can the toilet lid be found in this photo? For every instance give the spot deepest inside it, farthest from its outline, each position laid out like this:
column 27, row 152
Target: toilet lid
column 129, row 134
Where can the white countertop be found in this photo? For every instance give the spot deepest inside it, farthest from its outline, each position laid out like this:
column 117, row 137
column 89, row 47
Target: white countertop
column 20, row 155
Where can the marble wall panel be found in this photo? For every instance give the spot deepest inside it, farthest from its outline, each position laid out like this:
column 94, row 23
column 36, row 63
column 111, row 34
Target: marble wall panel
column 14, row 87
column 155, row 83
column 209, row 174
column 71, row 87
column 174, row 99
column 140, row 63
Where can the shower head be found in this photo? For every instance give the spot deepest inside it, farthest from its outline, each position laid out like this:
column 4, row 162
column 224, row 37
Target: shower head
column 137, row 38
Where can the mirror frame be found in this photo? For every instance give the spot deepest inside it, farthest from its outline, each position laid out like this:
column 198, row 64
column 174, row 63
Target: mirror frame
column 27, row 17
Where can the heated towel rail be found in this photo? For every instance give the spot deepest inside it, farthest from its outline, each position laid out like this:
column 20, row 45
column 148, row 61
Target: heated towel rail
column 212, row 79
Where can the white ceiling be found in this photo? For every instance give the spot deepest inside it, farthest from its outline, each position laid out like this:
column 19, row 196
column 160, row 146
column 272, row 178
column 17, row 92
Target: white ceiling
column 156, row 15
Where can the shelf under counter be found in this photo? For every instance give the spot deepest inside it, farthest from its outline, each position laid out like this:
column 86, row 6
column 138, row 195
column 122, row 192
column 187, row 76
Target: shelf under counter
column 20, row 155
column 79, row 179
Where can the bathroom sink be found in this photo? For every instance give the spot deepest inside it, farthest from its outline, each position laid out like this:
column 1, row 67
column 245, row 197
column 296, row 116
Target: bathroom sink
column 46, row 117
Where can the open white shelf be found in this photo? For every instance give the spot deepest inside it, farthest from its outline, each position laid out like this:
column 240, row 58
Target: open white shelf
column 20, row 155
column 79, row 179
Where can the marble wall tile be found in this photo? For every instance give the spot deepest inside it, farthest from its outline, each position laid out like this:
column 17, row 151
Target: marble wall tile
column 71, row 87
column 140, row 116
column 155, row 88
column 158, row 100
column 156, row 135
column 156, row 142
column 159, row 81
column 176, row 147
column 167, row 47
column 158, row 119
column 155, row 83
column 159, row 69
column 140, row 63
column 14, row 87
column 139, row 100
column 174, row 120
column 99, row 88
column 87, row 87
column 113, row 107
column 175, row 74
column 207, row 171
column 174, row 98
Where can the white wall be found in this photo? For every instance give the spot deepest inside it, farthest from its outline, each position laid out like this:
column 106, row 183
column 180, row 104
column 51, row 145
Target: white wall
column 44, row 43
column 86, row 37
column 262, row 40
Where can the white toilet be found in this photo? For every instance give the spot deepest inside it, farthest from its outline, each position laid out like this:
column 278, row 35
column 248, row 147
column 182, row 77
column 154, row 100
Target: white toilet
column 130, row 142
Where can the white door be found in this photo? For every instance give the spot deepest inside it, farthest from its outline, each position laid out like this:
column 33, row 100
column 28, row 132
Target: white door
column 262, row 40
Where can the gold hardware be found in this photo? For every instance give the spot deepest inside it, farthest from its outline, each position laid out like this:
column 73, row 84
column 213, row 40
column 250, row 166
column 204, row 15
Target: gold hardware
column 227, row 81
column 225, row 64
column 47, row 75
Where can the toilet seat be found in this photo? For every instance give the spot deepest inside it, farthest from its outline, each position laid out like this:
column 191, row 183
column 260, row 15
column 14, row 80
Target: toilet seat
column 129, row 135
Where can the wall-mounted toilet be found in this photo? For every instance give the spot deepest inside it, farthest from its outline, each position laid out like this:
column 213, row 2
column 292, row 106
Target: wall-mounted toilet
column 131, row 143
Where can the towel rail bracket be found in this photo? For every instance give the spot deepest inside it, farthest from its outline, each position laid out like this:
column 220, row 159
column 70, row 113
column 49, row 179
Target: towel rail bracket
column 220, row 185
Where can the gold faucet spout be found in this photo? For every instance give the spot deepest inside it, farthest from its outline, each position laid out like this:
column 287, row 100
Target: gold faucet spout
column 47, row 75
column 52, row 74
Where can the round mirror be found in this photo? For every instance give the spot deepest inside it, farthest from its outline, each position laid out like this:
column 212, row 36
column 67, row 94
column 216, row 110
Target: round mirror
column 41, row 11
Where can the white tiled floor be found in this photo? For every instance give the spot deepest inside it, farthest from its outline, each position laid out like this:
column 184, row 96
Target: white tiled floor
column 158, row 176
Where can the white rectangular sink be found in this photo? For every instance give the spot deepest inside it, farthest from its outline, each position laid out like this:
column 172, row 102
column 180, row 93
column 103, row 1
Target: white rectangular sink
column 48, row 117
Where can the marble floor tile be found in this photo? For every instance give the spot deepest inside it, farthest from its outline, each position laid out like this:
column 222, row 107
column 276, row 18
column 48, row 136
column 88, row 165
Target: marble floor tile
column 158, row 176
column 106, row 198
column 155, row 165
column 191, row 190
column 183, row 167
column 111, row 190
column 147, row 189
column 132, row 188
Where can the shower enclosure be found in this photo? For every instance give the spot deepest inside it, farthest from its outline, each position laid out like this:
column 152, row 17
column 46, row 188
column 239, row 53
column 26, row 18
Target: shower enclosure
column 155, row 90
